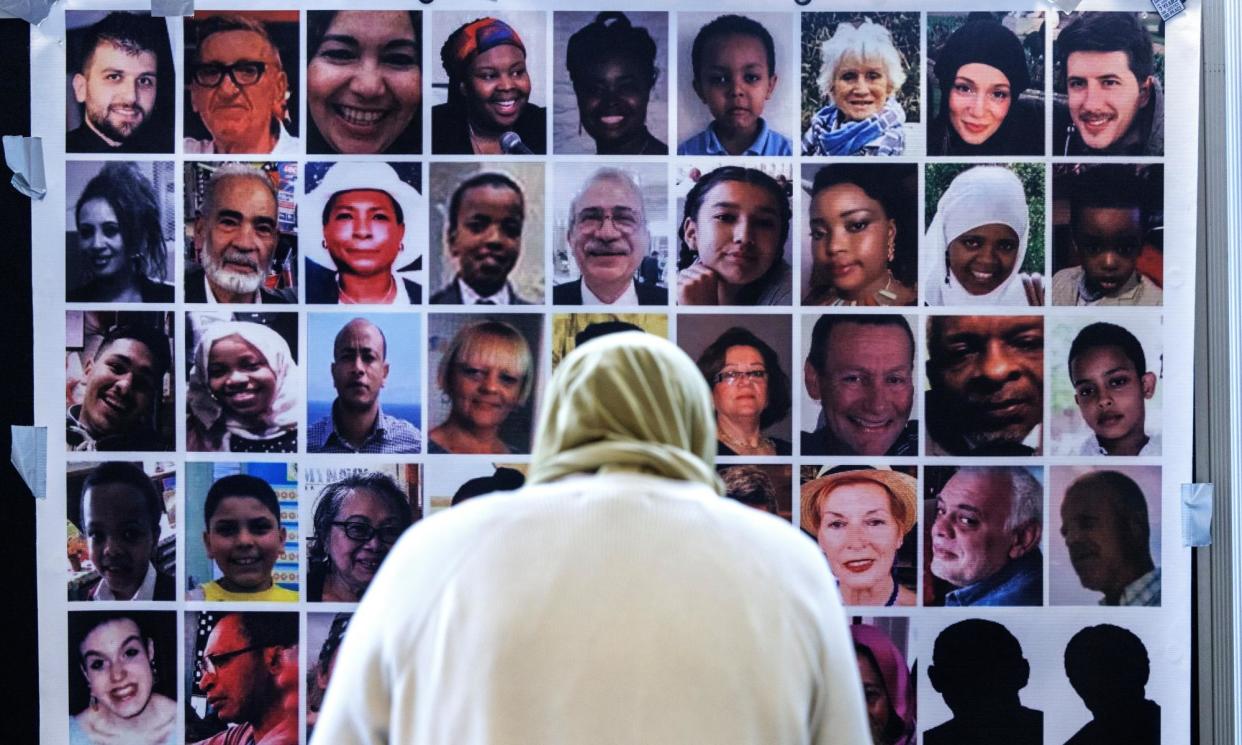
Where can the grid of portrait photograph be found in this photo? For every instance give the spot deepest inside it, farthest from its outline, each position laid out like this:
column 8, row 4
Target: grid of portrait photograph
column 918, row 258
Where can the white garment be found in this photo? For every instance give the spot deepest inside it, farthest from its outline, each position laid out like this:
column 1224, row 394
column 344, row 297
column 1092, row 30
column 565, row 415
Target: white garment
column 470, row 297
column 286, row 144
column 984, row 195
column 145, row 591
column 629, row 297
column 622, row 608
column 1090, row 445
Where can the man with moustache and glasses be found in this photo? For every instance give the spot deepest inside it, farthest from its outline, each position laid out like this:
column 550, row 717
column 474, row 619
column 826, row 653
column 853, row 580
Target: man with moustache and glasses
column 235, row 236
column 116, row 83
column 609, row 238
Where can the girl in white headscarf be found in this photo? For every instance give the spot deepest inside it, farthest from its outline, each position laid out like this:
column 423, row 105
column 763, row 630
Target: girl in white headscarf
column 243, row 394
column 977, row 242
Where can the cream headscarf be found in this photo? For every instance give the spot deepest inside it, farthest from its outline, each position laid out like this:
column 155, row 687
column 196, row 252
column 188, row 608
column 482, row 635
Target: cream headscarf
column 627, row 402
column 984, row 195
column 283, row 415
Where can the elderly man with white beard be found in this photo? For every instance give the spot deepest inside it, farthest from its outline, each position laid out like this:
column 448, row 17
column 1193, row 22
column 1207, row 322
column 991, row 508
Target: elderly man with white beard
column 235, row 235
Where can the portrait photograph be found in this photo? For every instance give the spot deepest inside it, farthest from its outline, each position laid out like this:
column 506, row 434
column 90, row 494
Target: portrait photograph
column 324, row 634
column 864, row 520
column 572, row 330
column 241, row 676
column 241, row 233
column 719, row 204
column 489, row 94
column 732, row 95
column 610, row 83
column 1108, row 84
column 610, row 231
column 243, row 382
column 122, row 677
column 353, row 516
column 241, row 83
column 242, row 532
column 364, row 82
column 363, row 393
column 483, row 382
column 884, row 646
column 119, row 241
column 486, row 234
column 122, row 523
column 985, row 385
column 119, row 381
column 362, row 231
column 1105, row 535
column 860, row 85
column 469, row 478
column 985, row 83
column 1107, row 234
column 746, row 361
column 119, row 83
column 767, row 487
column 983, row 536
column 857, row 385
column 1107, row 386
column 859, row 234
column 985, row 235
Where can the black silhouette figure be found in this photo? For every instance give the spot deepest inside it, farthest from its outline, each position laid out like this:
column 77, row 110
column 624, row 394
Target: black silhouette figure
column 1108, row 667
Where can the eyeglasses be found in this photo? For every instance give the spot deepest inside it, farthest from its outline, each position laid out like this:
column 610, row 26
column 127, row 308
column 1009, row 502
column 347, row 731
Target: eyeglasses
column 592, row 219
column 212, row 662
column 361, row 532
column 735, row 377
column 243, row 73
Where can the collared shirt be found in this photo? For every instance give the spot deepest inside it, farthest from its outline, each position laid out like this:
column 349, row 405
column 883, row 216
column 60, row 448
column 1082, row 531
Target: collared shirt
column 286, row 144
column 146, row 591
column 1090, row 445
column 389, row 435
column 1144, row 591
column 767, row 142
column 470, row 297
column 1069, row 287
column 1020, row 582
column 823, row 442
column 629, row 297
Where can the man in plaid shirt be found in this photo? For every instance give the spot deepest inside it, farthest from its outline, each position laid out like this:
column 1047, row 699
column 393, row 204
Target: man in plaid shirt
column 1104, row 522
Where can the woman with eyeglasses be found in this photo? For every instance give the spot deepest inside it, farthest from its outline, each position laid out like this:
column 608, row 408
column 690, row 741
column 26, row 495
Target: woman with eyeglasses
column 357, row 520
column 750, row 393
column 125, row 698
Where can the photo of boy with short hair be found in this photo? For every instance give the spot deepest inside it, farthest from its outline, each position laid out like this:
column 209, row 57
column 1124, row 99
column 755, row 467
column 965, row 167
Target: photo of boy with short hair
column 1108, row 369
column 244, row 537
column 734, row 63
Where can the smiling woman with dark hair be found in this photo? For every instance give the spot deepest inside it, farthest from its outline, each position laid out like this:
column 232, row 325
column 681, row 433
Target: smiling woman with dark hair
column 488, row 94
column 357, row 520
column 750, row 392
column 612, row 65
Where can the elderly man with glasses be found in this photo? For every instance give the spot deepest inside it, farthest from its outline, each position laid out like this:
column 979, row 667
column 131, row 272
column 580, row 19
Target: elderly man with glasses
column 239, row 89
column 609, row 239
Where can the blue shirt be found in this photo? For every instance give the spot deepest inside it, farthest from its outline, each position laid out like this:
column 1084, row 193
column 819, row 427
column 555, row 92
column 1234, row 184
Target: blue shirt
column 389, row 435
column 1020, row 582
column 768, row 142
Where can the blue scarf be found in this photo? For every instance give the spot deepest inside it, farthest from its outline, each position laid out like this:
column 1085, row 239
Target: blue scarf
column 827, row 137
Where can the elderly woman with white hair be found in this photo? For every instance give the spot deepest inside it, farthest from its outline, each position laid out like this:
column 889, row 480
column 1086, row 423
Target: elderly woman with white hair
column 606, row 585
column 860, row 71
column 977, row 242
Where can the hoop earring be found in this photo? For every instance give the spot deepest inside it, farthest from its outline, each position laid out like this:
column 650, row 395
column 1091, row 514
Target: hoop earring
column 155, row 673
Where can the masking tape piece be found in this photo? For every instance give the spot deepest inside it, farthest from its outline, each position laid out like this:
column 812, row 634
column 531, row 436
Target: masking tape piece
column 165, row 8
column 24, row 156
column 1197, row 514
column 31, row 11
column 29, row 456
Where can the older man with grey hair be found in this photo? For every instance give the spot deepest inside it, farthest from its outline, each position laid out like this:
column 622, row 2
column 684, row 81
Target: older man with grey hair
column 609, row 239
column 986, row 535
column 235, row 237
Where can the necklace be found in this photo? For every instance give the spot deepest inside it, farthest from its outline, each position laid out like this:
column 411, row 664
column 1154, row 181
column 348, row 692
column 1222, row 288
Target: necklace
column 883, row 296
column 765, row 447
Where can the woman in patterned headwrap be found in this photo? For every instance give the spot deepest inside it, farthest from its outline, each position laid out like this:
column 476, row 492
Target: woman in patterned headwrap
column 488, row 94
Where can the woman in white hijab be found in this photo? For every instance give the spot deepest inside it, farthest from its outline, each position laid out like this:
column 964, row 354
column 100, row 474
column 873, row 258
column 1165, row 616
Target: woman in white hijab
column 977, row 242
column 243, row 395
column 608, row 599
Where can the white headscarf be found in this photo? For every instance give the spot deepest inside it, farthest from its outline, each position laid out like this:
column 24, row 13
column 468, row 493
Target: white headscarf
column 984, row 195
column 284, row 412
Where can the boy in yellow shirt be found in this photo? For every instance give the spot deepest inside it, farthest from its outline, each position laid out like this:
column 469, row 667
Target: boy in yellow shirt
column 244, row 537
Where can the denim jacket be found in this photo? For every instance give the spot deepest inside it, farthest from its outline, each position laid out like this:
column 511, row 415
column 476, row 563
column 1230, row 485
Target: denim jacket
column 1020, row 582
